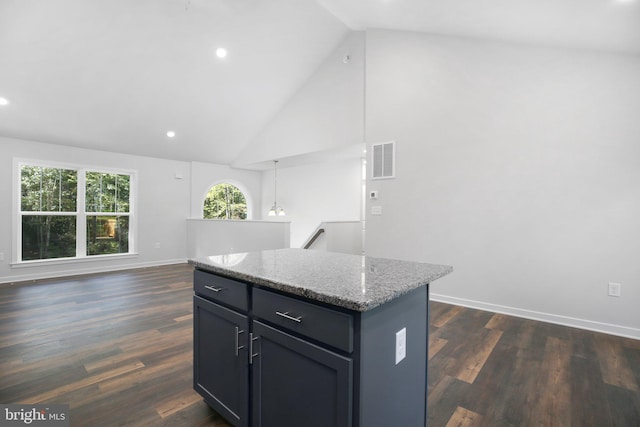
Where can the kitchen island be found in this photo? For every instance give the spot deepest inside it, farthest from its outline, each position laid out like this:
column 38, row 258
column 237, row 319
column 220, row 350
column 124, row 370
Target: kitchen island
column 294, row 337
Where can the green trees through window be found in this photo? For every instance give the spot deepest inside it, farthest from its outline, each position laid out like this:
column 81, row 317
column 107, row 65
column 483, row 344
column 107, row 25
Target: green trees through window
column 57, row 223
column 107, row 207
column 48, row 207
column 225, row 201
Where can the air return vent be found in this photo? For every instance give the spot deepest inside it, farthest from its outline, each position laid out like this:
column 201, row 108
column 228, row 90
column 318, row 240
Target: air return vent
column 384, row 162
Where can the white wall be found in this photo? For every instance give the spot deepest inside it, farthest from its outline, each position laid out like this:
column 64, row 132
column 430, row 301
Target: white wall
column 518, row 166
column 343, row 236
column 221, row 236
column 162, row 207
column 206, row 175
column 315, row 193
column 327, row 112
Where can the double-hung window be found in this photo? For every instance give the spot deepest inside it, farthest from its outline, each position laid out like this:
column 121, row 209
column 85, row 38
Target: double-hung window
column 73, row 212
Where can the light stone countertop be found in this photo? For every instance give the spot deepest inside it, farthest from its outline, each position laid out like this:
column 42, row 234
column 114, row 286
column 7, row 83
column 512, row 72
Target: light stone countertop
column 355, row 282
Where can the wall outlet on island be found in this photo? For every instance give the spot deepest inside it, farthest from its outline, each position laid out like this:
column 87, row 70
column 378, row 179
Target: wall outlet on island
column 401, row 345
column 614, row 289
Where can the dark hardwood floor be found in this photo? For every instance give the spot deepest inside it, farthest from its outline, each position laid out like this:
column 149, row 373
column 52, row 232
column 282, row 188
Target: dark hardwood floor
column 488, row 369
column 117, row 348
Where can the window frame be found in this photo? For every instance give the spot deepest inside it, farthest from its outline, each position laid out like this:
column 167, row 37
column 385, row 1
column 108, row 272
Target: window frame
column 80, row 214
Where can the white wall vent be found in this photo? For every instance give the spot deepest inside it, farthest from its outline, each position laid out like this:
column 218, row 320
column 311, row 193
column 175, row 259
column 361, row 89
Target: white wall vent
column 383, row 160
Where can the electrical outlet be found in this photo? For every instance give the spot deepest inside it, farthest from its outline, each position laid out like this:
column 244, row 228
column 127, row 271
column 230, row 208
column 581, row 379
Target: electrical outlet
column 1, row 256
column 401, row 345
column 376, row 210
column 157, row 246
column 615, row 289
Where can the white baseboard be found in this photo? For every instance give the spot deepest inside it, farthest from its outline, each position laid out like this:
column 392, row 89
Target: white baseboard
column 29, row 277
column 622, row 331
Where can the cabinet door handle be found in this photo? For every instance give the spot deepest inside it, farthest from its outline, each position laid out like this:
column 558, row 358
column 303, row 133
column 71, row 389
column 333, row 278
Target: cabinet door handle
column 251, row 353
column 238, row 347
column 211, row 288
column 287, row 316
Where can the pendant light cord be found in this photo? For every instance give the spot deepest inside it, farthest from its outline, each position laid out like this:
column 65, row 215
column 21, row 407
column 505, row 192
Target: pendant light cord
column 275, row 184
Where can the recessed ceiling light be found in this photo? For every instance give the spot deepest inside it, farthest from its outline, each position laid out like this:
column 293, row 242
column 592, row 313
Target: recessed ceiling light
column 171, row 134
column 4, row 101
column 221, row 52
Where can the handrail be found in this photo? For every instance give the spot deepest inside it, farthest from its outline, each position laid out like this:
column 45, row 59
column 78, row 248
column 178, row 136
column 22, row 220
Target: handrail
column 313, row 239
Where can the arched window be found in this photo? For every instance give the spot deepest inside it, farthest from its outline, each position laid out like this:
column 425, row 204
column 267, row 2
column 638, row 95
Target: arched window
column 225, row 201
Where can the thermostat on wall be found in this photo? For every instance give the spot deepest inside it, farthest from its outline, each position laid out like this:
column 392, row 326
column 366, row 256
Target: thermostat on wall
column 373, row 194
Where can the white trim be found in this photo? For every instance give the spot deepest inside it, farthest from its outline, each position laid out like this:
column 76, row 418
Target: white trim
column 70, row 260
column 46, row 213
column 236, row 220
column 133, row 211
column 81, row 219
column 76, row 272
column 16, row 218
column 622, row 331
column 102, row 213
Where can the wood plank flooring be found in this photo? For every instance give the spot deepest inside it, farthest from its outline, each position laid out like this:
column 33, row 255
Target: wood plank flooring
column 117, row 348
column 489, row 369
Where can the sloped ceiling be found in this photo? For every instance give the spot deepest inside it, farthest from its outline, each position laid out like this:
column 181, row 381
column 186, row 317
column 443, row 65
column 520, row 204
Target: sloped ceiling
column 116, row 75
column 591, row 24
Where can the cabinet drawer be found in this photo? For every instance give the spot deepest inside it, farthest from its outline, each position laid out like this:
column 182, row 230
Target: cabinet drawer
column 221, row 289
column 325, row 325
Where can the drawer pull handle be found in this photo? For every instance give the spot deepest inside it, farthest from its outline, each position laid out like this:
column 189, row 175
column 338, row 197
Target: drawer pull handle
column 238, row 347
column 211, row 288
column 287, row 316
column 251, row 353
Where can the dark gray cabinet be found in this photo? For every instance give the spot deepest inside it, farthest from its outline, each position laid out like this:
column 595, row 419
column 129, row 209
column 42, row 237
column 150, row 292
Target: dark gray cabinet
column 268, row 359
column 296, row 383
column 325, row 325
column 220, row 372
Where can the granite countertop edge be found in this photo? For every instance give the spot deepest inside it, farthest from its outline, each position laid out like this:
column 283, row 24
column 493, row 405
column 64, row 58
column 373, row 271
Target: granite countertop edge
column 334, row 300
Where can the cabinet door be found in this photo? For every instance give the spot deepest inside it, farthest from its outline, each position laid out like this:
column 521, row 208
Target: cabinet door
column 296, row 383
column 220, row 363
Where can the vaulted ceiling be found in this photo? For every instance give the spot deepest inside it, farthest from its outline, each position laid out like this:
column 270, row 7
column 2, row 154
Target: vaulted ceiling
column 591, row 24
column 117, row 75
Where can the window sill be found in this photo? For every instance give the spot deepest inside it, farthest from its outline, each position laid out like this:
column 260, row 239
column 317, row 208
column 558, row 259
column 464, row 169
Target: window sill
column 60, row 261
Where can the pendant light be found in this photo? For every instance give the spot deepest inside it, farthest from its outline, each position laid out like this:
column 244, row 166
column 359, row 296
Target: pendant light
column 275, row 209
